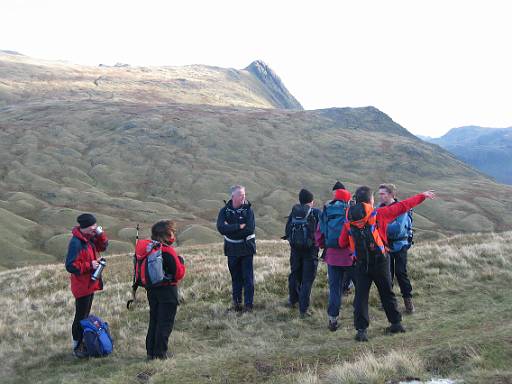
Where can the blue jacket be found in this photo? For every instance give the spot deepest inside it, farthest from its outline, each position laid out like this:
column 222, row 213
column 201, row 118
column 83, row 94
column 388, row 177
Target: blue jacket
column 237, row 242
column 398, row 232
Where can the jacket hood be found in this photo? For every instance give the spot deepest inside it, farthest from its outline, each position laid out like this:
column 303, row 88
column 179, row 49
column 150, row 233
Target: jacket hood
column 359, row 214
column 342, row 195
column 245, row 205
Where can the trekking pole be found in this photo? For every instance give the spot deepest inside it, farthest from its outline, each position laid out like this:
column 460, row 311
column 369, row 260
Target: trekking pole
column 134, row 282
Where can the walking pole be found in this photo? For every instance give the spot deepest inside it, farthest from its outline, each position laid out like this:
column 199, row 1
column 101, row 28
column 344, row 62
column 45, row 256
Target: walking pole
column 134, row 282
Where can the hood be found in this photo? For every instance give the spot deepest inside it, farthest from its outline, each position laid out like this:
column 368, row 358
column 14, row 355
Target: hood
column 342, row 195
column 359, row 214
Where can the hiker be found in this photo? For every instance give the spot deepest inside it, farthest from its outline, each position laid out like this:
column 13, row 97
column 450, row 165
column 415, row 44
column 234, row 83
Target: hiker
column 236, row 222
column 366, row 233
column 300, row 233
column 339, row 260
column 81, row 261
column 162, row 296
column 399, row 234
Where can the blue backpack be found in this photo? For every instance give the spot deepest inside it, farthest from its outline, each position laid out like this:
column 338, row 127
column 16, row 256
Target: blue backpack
column 334, row 215
column 96, row 337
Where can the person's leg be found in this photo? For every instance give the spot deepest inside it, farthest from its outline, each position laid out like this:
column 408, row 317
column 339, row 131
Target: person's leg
column 164, row 325
column 363, row 283
column 248, row 277
column 153, row 315
column 392, row 267
column 382, row 278
column 293, row 278
column 309, row 267
column 82, row 310
column 335, row 276
column 401, row 273
column 235, row 269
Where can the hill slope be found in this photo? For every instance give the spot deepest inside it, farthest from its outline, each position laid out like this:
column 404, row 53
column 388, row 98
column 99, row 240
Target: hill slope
column 486, row 149
column 133, row 156
column 461, row 329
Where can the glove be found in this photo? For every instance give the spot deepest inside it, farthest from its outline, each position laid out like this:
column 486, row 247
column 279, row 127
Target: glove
column 99, row 230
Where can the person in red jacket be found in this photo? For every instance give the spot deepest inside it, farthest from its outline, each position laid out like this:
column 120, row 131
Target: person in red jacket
column 163, row 299
column 366, row 233
column 81, row 261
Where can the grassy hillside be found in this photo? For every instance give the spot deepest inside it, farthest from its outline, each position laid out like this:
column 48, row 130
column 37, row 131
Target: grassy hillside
column 461, row 329
column 146, row 150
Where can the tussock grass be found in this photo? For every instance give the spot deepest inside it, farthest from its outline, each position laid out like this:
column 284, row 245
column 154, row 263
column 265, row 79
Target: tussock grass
column 461, row 330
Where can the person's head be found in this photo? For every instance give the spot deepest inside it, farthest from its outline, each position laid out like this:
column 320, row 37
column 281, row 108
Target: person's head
column 364, row 195
column 237, row 195
column 87, row 224
column 387, row 193
column 164, row 231
column 339, row 185
column 305, row 197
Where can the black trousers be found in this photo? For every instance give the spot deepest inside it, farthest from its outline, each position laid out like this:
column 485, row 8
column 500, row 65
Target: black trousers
column 381, row 276
column 163, row 304
column 398, row 266
column 303, row 267
column 82, row 310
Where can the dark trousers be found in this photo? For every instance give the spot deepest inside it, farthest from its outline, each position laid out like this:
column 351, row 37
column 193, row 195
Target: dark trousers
column 338, row 277
column 82, row 310
column 398, row 267
column 381, row 276
column 162, row 311
column 303, row 266
column 242, row 278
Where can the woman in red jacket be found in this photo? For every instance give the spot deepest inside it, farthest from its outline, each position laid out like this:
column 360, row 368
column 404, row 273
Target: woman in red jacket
column 365, row 233
column 163, row 299
column 81, row 261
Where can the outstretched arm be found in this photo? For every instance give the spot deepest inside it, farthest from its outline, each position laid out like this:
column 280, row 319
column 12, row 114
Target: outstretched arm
column 391, row 212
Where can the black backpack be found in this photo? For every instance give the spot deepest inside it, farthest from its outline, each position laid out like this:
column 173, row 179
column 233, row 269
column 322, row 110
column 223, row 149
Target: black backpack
column 366, row 249
column 301, row 236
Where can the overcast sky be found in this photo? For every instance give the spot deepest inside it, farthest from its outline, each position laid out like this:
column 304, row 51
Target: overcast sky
column 431, row 65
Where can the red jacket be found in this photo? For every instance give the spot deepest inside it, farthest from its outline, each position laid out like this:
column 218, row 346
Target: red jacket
column 173, row 264
column 81, row 252
column 385, row 215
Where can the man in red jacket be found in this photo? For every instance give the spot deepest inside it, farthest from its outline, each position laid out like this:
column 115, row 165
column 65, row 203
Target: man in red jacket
column 81, row 261
column 365, row 233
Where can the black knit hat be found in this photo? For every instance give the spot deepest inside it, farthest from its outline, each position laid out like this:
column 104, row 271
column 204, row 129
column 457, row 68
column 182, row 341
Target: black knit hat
column 86, row 220
column 305, row 196
column 338, row 185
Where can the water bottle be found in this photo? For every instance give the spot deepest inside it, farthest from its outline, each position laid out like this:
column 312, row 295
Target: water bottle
column 97, row 273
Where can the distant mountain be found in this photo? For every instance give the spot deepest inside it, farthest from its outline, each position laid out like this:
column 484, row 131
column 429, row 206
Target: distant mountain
column 487, row 149
column 135, row 145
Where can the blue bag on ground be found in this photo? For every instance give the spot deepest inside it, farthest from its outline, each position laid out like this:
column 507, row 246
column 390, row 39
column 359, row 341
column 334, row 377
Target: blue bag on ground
column 96, row 337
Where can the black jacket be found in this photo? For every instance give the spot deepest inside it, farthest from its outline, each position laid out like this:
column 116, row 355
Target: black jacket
column 237, row 242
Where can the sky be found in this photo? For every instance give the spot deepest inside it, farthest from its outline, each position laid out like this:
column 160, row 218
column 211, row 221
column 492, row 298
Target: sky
column 430, row 65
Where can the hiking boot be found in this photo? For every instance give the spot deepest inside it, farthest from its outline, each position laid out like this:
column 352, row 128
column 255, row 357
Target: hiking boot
column 80, row 352
column 333, row 325
column 235, row 308
column 362, row 335
column 248, row 308
column 409, row 306
column 395, row 328
column 305, row 315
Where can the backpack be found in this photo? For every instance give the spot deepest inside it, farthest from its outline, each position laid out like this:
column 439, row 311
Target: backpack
column 334, row 215
column 96, row 337
column 367, row 248
column 301, row 234
column 149, row 267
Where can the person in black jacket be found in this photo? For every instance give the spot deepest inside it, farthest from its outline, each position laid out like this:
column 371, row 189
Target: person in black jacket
column 163, row 299
column 236, row 222
column 303, row 252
